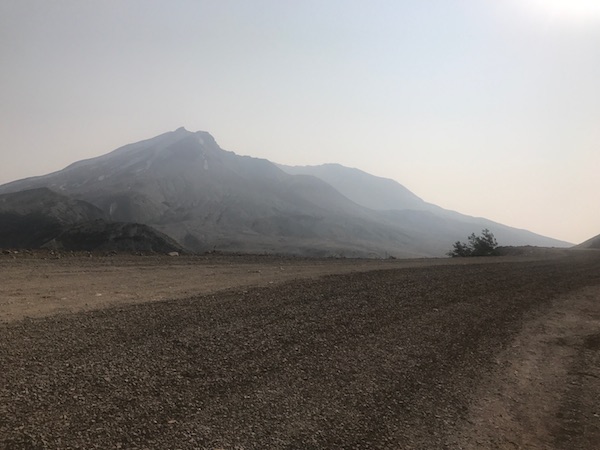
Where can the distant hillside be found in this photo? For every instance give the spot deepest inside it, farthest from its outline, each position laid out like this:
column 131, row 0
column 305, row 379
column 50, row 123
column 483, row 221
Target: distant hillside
column 42, row 200
column 434, row 225
column 99, row 235
column 184, row 185
column 590, row 243
column 30, row 218
column 362, row 188
column 39, row 217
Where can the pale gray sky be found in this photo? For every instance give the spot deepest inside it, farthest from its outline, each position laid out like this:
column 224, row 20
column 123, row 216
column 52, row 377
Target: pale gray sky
column 488, row 107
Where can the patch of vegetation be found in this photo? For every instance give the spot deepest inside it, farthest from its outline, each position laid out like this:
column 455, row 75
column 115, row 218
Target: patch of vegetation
column 484, row 245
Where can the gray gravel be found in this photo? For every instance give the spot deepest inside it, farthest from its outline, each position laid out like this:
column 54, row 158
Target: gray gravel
column 384, row 359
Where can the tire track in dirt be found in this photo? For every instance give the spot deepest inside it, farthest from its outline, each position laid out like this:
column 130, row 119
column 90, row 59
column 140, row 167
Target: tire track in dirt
column 544, row 392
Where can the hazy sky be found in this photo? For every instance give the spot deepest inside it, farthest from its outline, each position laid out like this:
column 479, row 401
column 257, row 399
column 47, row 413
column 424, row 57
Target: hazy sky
column 488, row 107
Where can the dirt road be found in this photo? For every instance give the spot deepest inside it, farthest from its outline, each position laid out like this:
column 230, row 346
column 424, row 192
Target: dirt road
column 502, row 354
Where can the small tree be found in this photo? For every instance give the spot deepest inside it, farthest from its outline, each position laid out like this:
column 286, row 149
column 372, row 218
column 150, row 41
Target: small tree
column 484, row 245
column 460, row 249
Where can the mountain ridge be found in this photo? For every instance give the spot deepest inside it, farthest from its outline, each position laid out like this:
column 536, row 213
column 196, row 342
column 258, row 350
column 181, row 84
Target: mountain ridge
column 391, row 198
column 184, row 185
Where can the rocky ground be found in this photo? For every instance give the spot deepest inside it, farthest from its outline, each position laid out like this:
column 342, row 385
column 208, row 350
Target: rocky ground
column 40, row 283
column 482, row 353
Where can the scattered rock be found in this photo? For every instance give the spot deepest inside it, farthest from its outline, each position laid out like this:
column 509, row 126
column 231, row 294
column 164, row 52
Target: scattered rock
column 354, row 360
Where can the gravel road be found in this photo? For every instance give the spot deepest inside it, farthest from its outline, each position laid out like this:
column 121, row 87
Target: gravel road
column 415, row 357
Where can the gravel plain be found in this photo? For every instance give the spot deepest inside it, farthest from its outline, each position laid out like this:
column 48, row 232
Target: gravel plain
column 422, row 356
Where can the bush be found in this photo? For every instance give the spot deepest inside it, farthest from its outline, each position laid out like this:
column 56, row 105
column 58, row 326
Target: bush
column 484, row 245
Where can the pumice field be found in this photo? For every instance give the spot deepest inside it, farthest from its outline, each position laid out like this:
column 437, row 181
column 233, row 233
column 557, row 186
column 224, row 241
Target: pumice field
column 249, row 352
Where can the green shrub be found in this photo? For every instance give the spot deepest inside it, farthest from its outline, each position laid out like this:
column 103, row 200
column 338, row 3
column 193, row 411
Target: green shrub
column 484, row 245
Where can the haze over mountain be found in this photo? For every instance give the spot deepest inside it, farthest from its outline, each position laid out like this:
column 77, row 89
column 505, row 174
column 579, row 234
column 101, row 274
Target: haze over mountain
column 363, row 188
column 398, row 203
column 183, row 184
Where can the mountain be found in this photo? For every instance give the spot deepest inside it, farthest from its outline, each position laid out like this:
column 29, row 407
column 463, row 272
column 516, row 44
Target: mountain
column 403, row 207
column 40, row 217
column 184, row 185
column 100, row 235
column 593, row 243
column 46, row 202
column 30, row 218
column 362, row 188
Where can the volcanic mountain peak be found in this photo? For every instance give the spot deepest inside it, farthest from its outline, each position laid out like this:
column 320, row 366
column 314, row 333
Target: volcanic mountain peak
column 170, row 158
column 173, row 143
column 183, row 184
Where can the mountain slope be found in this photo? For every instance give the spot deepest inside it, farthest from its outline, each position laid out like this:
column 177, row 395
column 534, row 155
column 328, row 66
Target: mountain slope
column 206, row 198
column 422, row 218
column 47, row 202
column 593, row 243
column 30, row 218
column 184, row 185
column 362, row 188
column 40, row 217
column 99, row 235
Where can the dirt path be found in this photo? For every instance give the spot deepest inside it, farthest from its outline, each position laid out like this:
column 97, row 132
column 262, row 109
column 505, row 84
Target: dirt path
column 486, row 355
column 545, row 393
